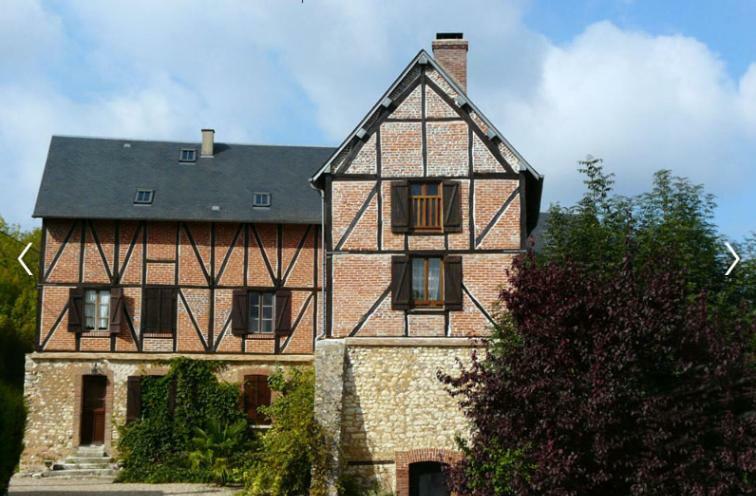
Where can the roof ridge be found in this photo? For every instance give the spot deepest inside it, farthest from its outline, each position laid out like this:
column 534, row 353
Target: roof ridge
column 177, row 142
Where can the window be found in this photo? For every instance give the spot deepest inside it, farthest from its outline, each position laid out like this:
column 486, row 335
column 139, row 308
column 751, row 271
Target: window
column 256, row 394
column 260, row 312
column 427, row 282
column 426, row 205
column 261, row 200
column 188, row 155
column 144, row 196
column 96, row 309
column 159, row 310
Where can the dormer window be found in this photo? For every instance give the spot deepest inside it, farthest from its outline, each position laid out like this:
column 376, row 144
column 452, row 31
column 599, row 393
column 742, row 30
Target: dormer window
column 144, row 197
column 261, row 200
column 188, row 155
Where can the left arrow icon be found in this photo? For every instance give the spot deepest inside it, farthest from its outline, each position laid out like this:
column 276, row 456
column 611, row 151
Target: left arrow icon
column 21, row 259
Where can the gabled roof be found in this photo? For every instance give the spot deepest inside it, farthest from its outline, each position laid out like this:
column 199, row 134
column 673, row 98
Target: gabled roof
column 423, row 57
column 98, row 178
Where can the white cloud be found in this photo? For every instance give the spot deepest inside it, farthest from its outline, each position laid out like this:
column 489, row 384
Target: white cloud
column 292, row 72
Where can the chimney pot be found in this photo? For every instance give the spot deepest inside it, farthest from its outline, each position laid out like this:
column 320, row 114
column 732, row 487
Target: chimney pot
column 208, row 143
column 450, row 50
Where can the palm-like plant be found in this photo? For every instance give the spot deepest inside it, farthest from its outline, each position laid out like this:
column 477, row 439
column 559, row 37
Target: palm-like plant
column 215, row 447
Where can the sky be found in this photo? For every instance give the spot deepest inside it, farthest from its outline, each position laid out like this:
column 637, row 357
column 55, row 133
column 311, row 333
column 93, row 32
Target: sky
column 642, row 84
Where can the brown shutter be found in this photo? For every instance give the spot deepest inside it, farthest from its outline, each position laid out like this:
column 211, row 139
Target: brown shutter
column 150, row 309
column 240, row 312
column 133, row 398
column 168, row 309
column 400, row 218
column 452, row 207
column 400, row 282
column 76, row 309
column 283, row 311
column 116, row 310
column 453, row 282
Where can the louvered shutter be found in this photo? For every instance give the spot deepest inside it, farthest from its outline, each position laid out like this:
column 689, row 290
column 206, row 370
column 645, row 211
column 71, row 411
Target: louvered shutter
column 172, row 396
column 452, row 207
column 116, row 310
column 151, row 310
column 76, row 309
column 453, row 282
column 168, row 309
column 256, row 394
column 133, row 398
column 400, row 218
column 240, row 312
column 400, row 283
column 283, row 311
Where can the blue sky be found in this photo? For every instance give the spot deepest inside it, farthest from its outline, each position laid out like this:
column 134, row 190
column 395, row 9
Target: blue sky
column 642, row 84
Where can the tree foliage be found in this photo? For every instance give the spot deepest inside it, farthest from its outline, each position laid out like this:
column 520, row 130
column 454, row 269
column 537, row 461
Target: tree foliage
column 614, row 386
column 622, row 364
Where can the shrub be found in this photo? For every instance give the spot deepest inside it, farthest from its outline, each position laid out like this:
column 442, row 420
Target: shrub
column 295, row 447
column 178, row 410
column 12, row 420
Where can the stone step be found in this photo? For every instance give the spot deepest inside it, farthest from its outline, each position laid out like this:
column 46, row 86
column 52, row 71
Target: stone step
column 71, row 466
column 86, row 459
column 96, row 450
column 81, row 472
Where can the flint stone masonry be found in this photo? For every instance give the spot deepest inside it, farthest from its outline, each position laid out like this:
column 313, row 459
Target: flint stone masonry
column 393, row 402
column 52, row 391
column 329, row 377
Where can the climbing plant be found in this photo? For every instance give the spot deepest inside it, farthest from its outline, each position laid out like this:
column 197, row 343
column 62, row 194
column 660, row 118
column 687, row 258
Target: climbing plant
column 191, row 428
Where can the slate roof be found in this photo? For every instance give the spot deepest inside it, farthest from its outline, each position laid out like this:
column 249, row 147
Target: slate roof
column 98, row 178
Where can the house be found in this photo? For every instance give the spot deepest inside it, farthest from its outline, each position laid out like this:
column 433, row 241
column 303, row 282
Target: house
column 378, row 261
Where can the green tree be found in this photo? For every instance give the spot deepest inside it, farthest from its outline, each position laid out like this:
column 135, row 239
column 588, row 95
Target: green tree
column 674, row 220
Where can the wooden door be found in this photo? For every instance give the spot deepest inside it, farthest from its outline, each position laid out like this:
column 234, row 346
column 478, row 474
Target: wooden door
column 94, row 389
column 428, row 479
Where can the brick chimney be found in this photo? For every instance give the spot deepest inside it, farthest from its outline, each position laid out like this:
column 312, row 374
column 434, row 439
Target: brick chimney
column 208, row 143
column 450, row 50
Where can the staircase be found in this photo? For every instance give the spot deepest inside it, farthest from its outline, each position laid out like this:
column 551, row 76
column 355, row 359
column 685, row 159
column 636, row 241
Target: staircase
column 89, row 461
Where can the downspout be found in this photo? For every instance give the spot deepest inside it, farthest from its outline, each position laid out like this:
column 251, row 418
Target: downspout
column 324, row 282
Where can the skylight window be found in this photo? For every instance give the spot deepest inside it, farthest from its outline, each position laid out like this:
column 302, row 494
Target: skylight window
column 188, row 155
column 261, row 200
column 144, row 196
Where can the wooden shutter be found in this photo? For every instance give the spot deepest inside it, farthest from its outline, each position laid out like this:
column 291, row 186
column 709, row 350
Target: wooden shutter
column 168, row 309
column 283, row 311
column 240, row 312
column 133, row 398
column 76, row 309
column 400, row 217
column 116, row 310
column 453, row 282
column 150, row 309
column 452, row 207
column 400, row 282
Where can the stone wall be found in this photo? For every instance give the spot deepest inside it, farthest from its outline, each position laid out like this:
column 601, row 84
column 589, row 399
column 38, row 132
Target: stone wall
column 393, row 402
column 52, row 391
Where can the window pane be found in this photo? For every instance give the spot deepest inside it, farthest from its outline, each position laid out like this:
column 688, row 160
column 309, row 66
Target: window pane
column 267, row 312
column 434, row 279
column 268, row 299
column 104, row 310
column 415, row 189
column 431, row 189
column 418, row 279
column 267, row 325
column 90, row 300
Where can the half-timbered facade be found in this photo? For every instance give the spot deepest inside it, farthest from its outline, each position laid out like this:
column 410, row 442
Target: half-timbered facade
column 426, row 206
column 379, row 261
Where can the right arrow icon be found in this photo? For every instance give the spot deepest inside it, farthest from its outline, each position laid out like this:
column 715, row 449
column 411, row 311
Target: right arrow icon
column 737, row 258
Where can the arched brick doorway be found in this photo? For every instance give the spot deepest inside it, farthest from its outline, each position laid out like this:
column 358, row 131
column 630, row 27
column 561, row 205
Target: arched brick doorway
column 420, row 472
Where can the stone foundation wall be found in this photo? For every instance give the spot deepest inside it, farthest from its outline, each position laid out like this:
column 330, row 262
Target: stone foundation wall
column 393, row 403
column 52, row 391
